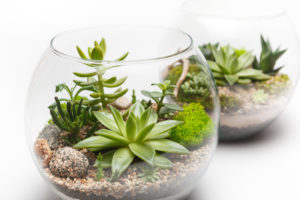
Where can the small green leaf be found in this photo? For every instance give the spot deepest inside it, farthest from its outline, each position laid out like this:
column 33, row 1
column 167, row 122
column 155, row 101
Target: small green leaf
column 131, row 128
column 153, row 117
column 168, row 146
column 156, row 94
column 173, row 106
column 123, row 56
column 80, row 52
column 110, row 80
column 116, row 95
column 105, row 161
column 119, row 120
column 85, row 74
column 144, row 118
column 117, row 83
column 97, row 54
column 107, row 120
column 120, row 162
column 137, row 109
column 146, row 93
column 162, row 162
column 143, row 151
column 103, row 45
column 231, row 78
column 90, row 52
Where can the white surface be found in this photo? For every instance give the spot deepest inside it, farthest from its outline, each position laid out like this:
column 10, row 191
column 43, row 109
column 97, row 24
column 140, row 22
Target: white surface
column 263, row 168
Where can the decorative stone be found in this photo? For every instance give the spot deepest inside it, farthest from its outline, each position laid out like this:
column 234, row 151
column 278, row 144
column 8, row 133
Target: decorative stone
column 68, row 162
column 43, row 150
column 122, row 103
column 51, row 134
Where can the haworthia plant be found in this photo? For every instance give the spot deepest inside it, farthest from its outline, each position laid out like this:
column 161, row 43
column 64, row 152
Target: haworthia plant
column 140, row 136
column 233, row 66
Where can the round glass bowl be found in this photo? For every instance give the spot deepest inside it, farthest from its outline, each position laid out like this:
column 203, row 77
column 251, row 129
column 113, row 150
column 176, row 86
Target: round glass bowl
column 122, row 132
column 254, row 56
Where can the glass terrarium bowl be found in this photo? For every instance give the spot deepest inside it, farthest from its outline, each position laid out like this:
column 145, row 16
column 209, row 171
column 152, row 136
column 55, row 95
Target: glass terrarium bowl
column 254, row 56
column 120, row 133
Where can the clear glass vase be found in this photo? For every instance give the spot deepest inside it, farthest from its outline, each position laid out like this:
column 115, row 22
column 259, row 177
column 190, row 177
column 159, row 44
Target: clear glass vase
column 121, row 133
column 252, row 94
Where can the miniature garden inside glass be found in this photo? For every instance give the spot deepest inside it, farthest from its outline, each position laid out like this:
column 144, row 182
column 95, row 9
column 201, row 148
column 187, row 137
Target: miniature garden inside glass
column 127, row 112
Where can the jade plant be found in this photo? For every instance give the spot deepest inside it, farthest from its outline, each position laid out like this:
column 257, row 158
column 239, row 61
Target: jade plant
column 234, row 66
column 139, row 136
column 95, row 81
column 196, row 128
column 268, row 58
column 159, row 96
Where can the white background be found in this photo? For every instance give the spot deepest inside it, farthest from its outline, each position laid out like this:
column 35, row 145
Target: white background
column 266, row 167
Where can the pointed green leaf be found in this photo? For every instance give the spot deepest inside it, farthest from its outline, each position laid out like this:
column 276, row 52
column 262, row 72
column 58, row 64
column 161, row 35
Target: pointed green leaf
column 162, row 162
column 144, row 132
column 119, row 120
column 85, row 74
column 173, row 106
column 131, row 127
column 231, row 78
column 120, row 162
column 159, row 136
column 110, row 80
column 103, row 45
column 165, row 126
column 143, row 151
column 98, row 142
column 168, row 146
column 214, row 66
column 107, row 120
column 80, row 52
column 117, row 83
column 144, row 118
column 123, row 56
column 116, row 94
column 112, row 135
column 137, row 109
column 153, row 117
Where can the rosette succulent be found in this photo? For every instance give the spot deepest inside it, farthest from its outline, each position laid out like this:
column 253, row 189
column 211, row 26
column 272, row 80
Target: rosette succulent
column 139, row 136
column 233, row 66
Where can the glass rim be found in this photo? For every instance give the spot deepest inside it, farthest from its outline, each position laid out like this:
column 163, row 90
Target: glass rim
column 92, row 61
column 278, row 12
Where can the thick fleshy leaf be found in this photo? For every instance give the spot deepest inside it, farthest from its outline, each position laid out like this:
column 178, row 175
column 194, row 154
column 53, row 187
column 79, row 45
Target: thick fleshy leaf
column 231, row 78
column 168, row 146
column 137, row 109
column 165, row 126
column 80, row 52
column 119, row 120
column 131, row 128
column 105, row 161
column 118, row 93
column 117, row 83
column 144, row 118
column 107, row 120
column 162, row 162
column 144, row 132
column 214, row 66
column 120, row 162
column 97, row 142
column 102, row 45
column 153, row 117
column 97, row 54
column 159, row 136
column 156, row 94
column 85, row 74
column 173, row 106
column 112, row 135
column 123, row 56
column 143, row 151
column 245, row 60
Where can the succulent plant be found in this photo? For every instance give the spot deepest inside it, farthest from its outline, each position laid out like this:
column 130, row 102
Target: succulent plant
column 259, row 97
column 158, row 98
column 268, row 58
column 196, row 128
column 97, row 85
column 206, row 50
column 232, row 66
column 70, row 118
column 149, row 174
column 140, row 136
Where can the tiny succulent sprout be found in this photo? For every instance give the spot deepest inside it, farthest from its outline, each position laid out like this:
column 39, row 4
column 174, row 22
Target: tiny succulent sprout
column 95, row 82
column 159, row 96
column 268, row 58
column 233, row 66
column 140, row 136
column 149, row 174
column 259, row 97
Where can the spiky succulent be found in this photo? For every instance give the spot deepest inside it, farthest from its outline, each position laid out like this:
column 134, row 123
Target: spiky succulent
column 234, row 66
column 268, row 58
column 97, row 85
column 140, row 136
column 195, row 85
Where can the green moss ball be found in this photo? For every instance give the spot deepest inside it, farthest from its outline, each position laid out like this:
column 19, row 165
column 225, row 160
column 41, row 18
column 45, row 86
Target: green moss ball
column 196, row 128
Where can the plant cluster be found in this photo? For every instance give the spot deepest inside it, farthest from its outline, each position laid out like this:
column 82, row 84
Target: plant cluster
column 159, row 96
column 268, row 58
column 139, row 136
column 196, row 128
column 195, row 86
